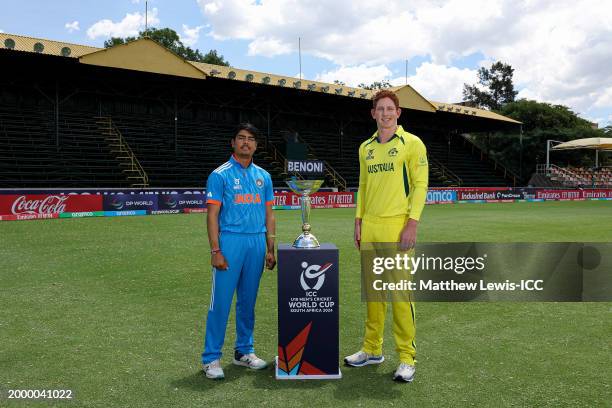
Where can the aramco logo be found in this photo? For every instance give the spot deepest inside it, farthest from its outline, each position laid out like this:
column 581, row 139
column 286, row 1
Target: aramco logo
column 313, row 272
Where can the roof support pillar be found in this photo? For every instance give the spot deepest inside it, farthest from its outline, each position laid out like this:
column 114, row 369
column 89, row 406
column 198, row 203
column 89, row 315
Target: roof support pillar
column 57, row 142
column 521, row 154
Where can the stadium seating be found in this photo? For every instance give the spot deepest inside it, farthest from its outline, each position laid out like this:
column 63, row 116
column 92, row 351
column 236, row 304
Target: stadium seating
column 456, row 156
column 182, row 154
column 580, row 176
column 32, row 156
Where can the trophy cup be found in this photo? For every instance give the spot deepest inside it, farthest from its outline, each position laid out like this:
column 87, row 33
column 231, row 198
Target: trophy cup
column 304, row 188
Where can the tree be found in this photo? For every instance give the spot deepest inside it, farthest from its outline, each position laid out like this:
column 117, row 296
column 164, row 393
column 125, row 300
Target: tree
column 375, row 85
column 498, row 87
column 541, row 122
column 171, row 40
column 338, row 82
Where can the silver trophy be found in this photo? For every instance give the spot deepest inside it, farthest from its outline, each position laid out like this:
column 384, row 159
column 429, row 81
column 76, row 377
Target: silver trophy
column 304, row 188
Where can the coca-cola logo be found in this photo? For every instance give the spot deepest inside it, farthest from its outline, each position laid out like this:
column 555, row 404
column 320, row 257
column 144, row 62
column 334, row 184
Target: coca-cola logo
column 48, row 205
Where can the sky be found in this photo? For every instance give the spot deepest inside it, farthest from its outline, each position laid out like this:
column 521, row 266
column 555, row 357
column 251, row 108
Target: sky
column 561, row 50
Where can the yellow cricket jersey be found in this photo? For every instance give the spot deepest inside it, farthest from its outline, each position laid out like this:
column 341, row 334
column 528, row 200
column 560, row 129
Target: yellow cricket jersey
column 393, row 176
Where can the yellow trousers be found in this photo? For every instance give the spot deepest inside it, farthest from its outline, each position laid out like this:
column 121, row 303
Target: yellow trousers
column 404, row 326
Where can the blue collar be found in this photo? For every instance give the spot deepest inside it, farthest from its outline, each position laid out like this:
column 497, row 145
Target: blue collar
column 237, row 163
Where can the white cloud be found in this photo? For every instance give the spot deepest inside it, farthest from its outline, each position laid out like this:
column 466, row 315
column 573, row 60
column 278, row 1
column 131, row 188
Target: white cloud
column 561, row 50
column 131, row 24
column 439, row 82
column 1, row 31
column 190, row 35
column 268, row 47
column 74, row 26
column 354, row 75
column 604, row 100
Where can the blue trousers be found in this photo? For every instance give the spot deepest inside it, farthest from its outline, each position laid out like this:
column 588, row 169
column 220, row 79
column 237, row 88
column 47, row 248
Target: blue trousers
column 245, row 255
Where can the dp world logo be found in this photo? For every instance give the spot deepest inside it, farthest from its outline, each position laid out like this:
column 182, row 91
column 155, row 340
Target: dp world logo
column 117, row 203
column 313, row 272
column 169, row 201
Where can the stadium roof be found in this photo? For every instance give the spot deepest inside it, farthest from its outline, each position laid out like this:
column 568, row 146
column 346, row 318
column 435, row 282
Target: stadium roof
column 466, row 110
column 148, row 56
column 597, row 143
column 143, row 55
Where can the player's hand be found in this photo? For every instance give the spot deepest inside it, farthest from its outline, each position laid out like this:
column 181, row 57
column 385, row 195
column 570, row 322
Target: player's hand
column 358, row 234
column 270, row 260
column 218, row 261
column 408, row 235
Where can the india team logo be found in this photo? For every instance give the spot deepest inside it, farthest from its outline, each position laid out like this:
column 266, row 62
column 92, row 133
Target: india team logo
column 259, row 183
column 313, row 272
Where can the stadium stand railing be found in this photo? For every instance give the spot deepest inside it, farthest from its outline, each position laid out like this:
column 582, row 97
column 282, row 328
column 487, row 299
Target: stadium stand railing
column 128, row 161
column 497, row 166
column 472, row 171
column 443, row 173
column 276, row 163
column 331, row 175
column 576, row 176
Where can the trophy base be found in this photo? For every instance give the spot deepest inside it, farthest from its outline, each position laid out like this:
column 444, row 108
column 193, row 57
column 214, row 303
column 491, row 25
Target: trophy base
column 306, row 240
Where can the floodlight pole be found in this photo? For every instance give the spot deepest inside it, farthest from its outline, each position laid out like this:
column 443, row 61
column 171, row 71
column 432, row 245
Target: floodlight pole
column 548, row 146
column 521, row 154
column 300, row 55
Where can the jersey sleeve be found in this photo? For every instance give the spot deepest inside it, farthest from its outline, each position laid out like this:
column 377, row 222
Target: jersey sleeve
column 269, row 191
column 362, row 185
column 419, row 179
column 214, row 189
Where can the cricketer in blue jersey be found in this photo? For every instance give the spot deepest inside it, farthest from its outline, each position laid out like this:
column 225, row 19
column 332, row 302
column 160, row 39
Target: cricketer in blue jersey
column 241, row 231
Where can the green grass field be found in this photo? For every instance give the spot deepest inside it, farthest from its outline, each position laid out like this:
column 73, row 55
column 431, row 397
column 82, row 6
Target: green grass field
column 113, row 309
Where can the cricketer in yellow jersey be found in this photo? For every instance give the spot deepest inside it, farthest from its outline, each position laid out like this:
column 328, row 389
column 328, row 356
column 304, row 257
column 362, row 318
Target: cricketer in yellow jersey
column 393, row 177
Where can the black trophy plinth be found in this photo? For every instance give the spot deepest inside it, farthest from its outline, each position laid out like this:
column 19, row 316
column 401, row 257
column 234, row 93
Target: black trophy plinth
column 308, row 313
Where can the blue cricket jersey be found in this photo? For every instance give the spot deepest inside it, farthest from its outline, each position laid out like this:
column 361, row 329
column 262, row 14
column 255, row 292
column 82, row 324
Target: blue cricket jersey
column 243, row 194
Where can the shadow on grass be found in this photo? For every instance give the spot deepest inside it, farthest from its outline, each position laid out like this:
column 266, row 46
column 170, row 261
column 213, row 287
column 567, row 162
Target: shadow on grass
column 198, row 381
column 371, row 382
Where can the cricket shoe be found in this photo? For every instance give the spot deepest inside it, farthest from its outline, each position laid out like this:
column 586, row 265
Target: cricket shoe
column 405, row 372
column 249, row 360
column 213, row 370
column 361, row 358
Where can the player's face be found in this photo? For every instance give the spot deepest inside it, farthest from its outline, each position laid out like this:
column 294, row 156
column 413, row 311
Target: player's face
column 244, row 144
column 386, row 114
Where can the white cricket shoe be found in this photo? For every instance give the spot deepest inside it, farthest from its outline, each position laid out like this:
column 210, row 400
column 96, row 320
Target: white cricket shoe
column 361, row 358
column 213, row 370
column 249, row 360
column 405, row 372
